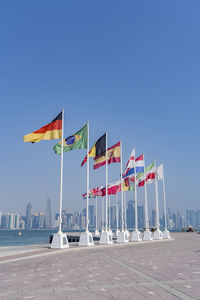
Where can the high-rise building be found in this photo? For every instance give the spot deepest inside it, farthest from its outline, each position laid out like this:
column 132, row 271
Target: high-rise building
column 153, row 217
column 141, row 216
column 130, row 215
column 0, row 217
column 28, row 222
column 91, row 216
column 190, row 217
column 48, row 222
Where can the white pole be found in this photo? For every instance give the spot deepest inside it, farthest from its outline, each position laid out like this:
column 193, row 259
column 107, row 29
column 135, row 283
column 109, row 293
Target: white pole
column 117, row 213
column 96, row 214
column 157, row 206
column 122, row 200
column 87, row 201
column 106, row 213
column 61, row 175
column 136, row 212
column 109, row 225
column 102, row 217
column 125, row 221
column 165, row 208
column 145, row 200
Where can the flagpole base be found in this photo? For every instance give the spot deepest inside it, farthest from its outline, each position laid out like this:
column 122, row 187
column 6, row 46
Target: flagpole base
column 106, row 238
column 127, row 232
column 166, row 234
column 136, row 236
column 157, row 235
column 96, row 233
column 122, row 237
column 110, row 232
column 86, row 239
column 117, row 232
column 59, row 241
column 147, row 235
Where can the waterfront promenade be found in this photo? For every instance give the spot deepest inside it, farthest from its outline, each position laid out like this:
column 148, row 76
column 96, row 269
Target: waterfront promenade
column 167, row 269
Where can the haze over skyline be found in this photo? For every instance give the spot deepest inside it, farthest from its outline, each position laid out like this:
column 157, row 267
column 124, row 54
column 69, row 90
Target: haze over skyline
column 130, row 68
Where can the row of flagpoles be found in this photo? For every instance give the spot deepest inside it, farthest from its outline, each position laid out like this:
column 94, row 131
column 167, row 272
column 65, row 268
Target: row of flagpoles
column 134, row 176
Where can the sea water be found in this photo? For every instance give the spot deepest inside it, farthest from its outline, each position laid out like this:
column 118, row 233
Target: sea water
column 27, row 237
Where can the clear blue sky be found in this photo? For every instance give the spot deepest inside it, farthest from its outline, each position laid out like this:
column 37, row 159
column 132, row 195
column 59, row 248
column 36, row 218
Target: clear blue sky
column 129, row 67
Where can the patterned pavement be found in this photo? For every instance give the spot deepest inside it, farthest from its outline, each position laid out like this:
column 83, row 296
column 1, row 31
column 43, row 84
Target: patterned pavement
column 147, row 270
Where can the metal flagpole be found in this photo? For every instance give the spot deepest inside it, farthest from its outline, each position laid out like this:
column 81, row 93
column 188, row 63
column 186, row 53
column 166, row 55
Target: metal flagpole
column 102, row 217
column 135, row 192
column 125, row 221
column 117, row 213
column 122, row 200
column 61, row 175
column 87, row 201
column 109, row 213
column 157, row 206
column 106, row 210
column 165, row 208
column 145, row 200
column 96, row 213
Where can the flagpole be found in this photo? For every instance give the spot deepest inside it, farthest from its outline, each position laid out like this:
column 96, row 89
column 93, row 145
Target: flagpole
column 102, row 217
column 145, row 200
column 122, row 200
column 165, row 208
column 125, row 221
column 106, row 210
column 117, row 213
column 135, row 192
column 96, row 213
column 109, row 213
column 87, row 201
column 61, row 175
column 157, row 206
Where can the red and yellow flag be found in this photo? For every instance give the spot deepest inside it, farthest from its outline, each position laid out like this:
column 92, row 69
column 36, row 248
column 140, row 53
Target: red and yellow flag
column 113, row 156
column 50, row 131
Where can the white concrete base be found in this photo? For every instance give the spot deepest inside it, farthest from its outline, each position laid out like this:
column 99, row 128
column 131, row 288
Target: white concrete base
column 136, row 236
column 122, row 237
column 117, row 232
column 157, row 235
column 166, row 234
column 147, row 235
column 96, row 233
column 127, row 232
column 86, row 239
column 110, row 232
column 59, row 241
column 106, row 238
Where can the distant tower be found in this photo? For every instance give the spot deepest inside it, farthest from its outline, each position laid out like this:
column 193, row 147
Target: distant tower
column 48, row 214
column 28, row 216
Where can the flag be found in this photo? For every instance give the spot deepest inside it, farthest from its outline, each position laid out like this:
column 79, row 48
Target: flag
column 98, row 149
column 113, row 155
column 75, row 141
column 130, row 163
column 160, row 172
column 138, row 164
column 50, row 131
column 150, row 173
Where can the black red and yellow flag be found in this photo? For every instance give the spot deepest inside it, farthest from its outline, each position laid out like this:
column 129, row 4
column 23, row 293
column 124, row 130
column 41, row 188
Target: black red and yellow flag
column 50, row 131
column 98, row 149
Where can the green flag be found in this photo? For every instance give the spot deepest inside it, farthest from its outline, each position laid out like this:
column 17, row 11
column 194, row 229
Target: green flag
column 75, row 141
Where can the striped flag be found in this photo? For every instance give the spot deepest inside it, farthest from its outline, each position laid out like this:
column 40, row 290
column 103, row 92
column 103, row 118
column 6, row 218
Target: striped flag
column 50, row 131
column 138, row 163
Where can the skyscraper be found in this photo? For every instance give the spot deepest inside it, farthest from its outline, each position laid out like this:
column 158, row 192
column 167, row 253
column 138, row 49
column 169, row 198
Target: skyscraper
column 48, row 222
column 28, row 223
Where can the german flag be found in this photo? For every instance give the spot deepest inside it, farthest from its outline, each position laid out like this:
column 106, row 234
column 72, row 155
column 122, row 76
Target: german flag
column 50, row 131
column 98, row 149
column 113, row 156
